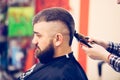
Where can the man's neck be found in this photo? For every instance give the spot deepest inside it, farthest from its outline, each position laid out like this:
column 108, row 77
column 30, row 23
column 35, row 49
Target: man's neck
column 62, row 51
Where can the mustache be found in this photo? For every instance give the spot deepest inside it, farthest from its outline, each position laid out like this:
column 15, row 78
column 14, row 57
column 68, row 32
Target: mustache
column 36, row 46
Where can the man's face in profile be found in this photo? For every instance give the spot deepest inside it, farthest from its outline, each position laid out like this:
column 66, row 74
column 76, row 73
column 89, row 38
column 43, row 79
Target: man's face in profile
column 44, row 49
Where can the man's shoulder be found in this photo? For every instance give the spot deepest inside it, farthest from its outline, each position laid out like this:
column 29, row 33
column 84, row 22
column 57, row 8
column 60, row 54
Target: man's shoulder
column 66, row 64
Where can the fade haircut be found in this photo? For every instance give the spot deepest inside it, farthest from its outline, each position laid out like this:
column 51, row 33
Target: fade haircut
column 56, row 14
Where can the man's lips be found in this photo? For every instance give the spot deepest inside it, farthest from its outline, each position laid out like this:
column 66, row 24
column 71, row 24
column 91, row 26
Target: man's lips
column 36, row 47
column 37, row 50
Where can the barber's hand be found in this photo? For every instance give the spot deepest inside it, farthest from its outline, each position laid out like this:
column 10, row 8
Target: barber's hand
column 97, row 52
column 101, row 42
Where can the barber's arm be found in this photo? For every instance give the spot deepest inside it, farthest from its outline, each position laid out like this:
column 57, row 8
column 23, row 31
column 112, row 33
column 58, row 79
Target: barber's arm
column 97, row 52
column 114, row 48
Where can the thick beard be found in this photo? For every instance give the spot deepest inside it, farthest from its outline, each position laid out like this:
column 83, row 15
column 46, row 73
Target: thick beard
column 47, row 54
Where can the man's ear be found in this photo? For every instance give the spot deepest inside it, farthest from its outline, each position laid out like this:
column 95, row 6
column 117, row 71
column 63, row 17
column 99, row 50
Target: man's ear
column 58, row 39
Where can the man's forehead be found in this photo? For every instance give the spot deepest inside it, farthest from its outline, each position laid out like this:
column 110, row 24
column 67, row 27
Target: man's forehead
column 51, row 25
column 40, row 25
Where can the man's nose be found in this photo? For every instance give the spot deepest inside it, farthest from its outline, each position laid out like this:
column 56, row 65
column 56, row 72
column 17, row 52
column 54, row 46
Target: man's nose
column 34, row 41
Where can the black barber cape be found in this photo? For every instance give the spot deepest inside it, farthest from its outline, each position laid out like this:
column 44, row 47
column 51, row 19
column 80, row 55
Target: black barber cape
column 61, row 68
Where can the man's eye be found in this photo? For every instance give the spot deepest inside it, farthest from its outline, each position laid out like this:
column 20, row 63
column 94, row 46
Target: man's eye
column 38, row 36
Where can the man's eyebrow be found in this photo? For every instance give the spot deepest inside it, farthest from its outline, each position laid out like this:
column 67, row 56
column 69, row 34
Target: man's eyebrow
column 36, row 32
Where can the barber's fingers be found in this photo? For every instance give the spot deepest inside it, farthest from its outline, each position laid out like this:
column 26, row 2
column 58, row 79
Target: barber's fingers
column 91, row 40
column 85, row 48
column 88, row 38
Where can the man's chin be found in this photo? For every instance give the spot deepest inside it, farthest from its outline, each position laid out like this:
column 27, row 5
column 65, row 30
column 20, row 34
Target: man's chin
column 45, row 55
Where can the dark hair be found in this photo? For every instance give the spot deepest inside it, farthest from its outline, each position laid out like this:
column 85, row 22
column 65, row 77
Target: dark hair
column 57, row 13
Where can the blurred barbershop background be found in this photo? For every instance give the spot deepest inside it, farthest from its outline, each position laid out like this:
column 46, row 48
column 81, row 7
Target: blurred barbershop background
column 97, row 18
